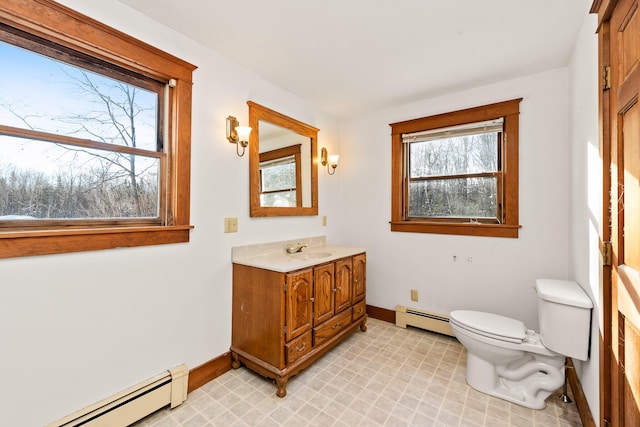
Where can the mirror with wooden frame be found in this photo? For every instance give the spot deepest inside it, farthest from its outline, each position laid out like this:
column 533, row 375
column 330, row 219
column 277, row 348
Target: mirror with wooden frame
column 283, row 164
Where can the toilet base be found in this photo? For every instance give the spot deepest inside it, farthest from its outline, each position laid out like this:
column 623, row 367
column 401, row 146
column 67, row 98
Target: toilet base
column 528, row 383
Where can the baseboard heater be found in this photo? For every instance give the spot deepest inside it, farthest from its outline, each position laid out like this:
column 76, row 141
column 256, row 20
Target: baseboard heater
column 134, row 403
column 423, row 319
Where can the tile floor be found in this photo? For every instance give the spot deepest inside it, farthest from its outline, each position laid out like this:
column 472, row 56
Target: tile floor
column 387, row 376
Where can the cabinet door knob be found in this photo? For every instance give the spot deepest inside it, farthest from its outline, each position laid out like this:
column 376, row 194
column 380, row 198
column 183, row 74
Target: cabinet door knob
column 334, row 290
column 312, row 299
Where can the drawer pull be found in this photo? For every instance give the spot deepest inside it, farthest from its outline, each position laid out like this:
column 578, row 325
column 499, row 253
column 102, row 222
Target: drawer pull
column 360, row 310
column 336, row 326
column 299, row 349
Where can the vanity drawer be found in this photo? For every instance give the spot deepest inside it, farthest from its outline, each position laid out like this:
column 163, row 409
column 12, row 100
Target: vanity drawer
column 331, row 327
column 298, row 347
column 359, row 310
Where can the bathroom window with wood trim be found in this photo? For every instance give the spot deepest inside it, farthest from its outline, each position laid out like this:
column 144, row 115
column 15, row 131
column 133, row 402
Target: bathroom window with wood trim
column 95, row 135
column 457, row 173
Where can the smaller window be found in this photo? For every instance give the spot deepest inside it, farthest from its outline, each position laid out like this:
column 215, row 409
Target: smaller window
column 280, row 177
column 457, row 173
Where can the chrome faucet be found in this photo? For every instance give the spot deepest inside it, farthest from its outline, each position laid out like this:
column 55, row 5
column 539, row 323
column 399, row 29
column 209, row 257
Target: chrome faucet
column 291, row 249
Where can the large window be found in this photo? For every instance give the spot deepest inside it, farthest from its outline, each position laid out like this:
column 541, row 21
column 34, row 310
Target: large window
column 94, row 136
column 457, row 173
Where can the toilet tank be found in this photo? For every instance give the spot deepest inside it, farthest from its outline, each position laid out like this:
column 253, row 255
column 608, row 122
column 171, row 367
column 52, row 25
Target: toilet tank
column 564, row 311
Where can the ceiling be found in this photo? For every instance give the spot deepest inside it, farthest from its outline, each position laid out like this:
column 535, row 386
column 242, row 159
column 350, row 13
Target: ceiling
column 348, row 57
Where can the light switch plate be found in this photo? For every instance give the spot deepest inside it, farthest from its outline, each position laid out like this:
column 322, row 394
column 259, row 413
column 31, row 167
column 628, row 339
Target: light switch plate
column 231, row 225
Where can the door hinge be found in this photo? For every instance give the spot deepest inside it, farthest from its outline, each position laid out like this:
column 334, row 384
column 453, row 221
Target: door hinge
column 606, row 253
column 606, row 78
column 607, row 423
column 285, row 286
column 285, row 329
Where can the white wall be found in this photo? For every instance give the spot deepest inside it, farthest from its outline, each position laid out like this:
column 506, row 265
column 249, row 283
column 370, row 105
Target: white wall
column 76, row 328
column 502, row 273
column 585, row 209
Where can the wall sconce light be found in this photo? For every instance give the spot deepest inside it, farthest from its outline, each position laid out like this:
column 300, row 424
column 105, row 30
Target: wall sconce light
column 331, row 162
column 237, row 134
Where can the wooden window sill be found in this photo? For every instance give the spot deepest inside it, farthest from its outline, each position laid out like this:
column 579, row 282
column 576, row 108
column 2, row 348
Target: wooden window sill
column 42, row 242
column 464, row 229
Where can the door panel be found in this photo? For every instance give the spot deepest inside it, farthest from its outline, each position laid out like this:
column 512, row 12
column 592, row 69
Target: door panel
column 629, row 344
column 298, row 310
column 323, row 293
column 624, row 124
column 359, row 277
column 344, row 277
column 630, row 214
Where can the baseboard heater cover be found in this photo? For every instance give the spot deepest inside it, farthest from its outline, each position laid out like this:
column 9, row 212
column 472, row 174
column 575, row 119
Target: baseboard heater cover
column 134, row 403
column 423, row 319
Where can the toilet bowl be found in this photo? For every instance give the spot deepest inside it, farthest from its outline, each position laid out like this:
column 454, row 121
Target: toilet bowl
column 509, row 361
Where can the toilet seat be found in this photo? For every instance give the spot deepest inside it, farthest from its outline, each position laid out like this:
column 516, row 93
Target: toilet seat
column 490, row 325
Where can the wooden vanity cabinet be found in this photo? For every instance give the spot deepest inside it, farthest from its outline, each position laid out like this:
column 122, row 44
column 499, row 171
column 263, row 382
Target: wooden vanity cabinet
column 283, row 322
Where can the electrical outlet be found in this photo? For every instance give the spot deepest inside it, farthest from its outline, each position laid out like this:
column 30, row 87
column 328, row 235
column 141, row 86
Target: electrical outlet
column 231, row 225
column 414, row 295
column 469, row 259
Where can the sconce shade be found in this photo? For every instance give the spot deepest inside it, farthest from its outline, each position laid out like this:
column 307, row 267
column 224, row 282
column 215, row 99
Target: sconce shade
column 243, row 133
column 333, row 160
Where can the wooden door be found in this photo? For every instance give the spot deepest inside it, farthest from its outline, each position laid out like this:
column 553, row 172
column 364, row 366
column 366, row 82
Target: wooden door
column 323, row 292
column 619, row 38
column 359, row 277
column 298, row 310
column 344, row 276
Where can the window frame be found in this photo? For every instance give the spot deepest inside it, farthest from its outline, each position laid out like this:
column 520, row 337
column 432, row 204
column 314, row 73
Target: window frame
column 509, row 111
column 60, row 25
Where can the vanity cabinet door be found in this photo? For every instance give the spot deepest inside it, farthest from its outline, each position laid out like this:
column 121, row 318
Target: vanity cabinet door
column 344, row 276
column 324, row 287
column 299, row 306
column 359, row 277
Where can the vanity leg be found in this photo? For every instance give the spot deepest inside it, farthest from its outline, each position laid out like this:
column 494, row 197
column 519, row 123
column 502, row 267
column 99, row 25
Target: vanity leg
column 282, row 387
column 235, row 363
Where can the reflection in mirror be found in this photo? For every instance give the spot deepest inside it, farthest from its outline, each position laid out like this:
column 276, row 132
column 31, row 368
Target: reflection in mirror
column 282, row 164
column 285, row 164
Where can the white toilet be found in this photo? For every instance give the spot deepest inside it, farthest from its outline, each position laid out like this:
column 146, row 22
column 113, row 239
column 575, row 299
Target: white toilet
column 506, row 360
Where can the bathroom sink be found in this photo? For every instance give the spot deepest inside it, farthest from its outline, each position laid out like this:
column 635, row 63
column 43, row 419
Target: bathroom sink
column 311, row 255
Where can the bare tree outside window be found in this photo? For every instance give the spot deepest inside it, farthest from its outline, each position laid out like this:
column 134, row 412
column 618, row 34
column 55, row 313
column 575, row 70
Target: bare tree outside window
column 454, row 177
column 74, row 143
column 278, row 182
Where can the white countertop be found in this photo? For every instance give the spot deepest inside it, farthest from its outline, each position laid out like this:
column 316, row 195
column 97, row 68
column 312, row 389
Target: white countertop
column 273, row 256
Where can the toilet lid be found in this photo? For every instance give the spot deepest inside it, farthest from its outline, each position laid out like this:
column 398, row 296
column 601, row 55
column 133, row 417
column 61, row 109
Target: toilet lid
column 490, row 325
